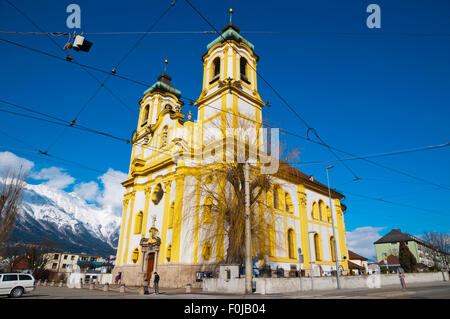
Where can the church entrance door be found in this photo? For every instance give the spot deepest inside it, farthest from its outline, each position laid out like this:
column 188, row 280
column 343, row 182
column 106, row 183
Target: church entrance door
column 150, row 264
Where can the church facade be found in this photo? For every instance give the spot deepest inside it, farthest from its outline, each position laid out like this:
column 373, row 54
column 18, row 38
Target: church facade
column 173, row 157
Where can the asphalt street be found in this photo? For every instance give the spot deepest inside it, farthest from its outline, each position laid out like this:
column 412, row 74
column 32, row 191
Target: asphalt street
column 436, row 290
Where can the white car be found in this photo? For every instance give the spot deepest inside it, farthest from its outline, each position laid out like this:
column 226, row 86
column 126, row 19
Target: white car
column 15, row 285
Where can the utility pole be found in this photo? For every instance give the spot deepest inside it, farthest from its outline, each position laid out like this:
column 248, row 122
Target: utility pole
column 310, row 259
column 334, row 233
column 248, row 242
column 300, row 261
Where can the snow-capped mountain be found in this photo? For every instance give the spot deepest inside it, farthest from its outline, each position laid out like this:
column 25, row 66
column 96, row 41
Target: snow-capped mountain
column 66, row 219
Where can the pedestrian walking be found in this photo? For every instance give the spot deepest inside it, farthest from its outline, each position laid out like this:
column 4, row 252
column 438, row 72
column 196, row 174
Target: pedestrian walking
column 118, row 278
column 156, row 282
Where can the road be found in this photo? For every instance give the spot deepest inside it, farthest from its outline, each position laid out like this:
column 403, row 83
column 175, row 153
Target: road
column 436, row 290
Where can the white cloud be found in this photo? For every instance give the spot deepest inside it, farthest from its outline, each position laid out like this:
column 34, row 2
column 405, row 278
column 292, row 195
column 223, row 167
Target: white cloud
column 10, row 161
column 361, row 240
column 113, row 191
column 56, row 177
column 87, row 191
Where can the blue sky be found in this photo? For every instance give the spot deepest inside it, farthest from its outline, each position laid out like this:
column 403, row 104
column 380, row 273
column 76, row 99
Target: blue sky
column 364, row 90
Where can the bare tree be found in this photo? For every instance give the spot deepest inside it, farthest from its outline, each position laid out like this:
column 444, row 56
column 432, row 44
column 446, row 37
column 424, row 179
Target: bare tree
column 11, row 189
column 38, row 257
column 220, row 206
column 441, row 243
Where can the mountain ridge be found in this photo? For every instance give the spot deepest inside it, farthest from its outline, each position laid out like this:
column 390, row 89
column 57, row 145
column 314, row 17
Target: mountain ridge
column 66, row 219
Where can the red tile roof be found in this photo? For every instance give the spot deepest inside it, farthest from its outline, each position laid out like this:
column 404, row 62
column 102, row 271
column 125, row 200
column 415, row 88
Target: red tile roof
column 355, row 266
column 353, row 255
column 391, row 260
column 310, row 179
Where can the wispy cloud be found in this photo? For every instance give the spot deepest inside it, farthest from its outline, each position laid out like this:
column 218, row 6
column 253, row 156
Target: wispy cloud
column 56, row 177
column 361, row 240
column 87, row 191
column 10, row 161
column 113, row 191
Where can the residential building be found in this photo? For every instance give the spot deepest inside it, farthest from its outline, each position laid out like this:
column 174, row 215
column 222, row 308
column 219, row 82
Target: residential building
column 373, row 268
column 357, row 263
column 424, row 252
column 66, row 263
column 390, row 263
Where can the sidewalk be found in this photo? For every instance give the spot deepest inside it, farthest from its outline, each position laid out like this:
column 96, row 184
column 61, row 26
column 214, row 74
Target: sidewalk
column 394, row 291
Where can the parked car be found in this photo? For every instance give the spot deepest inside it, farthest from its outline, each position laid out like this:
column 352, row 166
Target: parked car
column 15, row 285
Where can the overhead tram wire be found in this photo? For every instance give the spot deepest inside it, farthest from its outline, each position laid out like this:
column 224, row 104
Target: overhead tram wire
column 61, row 122
column 395, row 203
column 66, row 123
column 162, row 152
column 102, row 84
column 325, row 33
column 86, row 66
column 172, row 4
column 276, row 92
column 60, row 48
column 281, row 129
column 399, row 152
column 35, row 150
column 83, row 128
column 102, row 172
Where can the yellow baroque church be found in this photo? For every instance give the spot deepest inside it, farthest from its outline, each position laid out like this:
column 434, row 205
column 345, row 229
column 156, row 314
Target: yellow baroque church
column 164, row 207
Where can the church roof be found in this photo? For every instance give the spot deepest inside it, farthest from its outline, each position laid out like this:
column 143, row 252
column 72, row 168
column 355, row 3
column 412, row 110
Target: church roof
column 163, row 85
column 230, row 32
column 295, row 172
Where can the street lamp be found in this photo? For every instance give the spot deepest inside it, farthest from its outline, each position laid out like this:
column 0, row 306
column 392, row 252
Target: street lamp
column 334, row 234
column 79, row 43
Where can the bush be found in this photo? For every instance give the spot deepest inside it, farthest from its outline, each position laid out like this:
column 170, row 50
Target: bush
column 407, row 260
column 41, row 274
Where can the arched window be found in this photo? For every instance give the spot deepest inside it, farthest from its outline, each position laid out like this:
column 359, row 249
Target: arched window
column 206, row 251
column 269, row 197
column 288, row 203
column 333, row 255
column 138, row 223
column 171, row 215
column 277, row 191
column 329, row 218
column 158, row 194
column 168, row 252
column 208, row 211
column 145, row 115
column 291, row 243
column 135, row 255
column 322, row 212
column 271, row 239
column 317, row 246
column 243, row 69
column 315, row 211
column 216, row 69
column 164, row 137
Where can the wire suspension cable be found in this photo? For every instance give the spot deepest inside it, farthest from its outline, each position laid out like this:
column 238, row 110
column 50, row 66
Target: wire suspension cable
column 274, row 90
column 281, row 129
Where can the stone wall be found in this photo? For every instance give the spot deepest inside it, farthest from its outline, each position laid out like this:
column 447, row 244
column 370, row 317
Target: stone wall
column 285, row 285
column 171, row 275
column 179, row 275
column 130, row 274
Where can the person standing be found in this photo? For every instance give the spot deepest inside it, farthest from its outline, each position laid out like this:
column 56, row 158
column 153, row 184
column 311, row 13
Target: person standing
column 156, row 282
